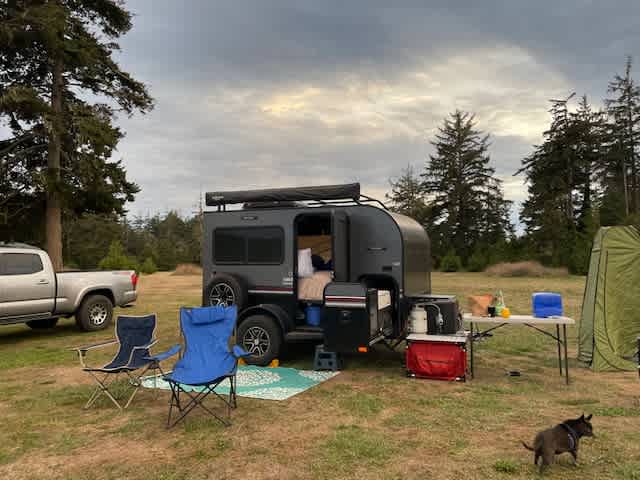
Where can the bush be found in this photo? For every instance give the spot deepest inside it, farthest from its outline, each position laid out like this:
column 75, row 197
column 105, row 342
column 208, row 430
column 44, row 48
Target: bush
column 505, row 466
column 525, row 269
column 477, row 262
column 451, row 262
column 116, row 259
column 148, row 266
column 188, row 269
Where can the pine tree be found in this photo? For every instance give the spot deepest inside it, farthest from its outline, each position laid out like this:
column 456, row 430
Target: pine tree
column 407, row 195
column 621, row 171
column 466, row 203
column 54, row 56
column 559, row 175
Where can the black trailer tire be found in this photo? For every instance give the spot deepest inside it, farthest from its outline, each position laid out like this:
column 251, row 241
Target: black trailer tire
column 42, row 324
column 95, row 313
column 261, row 336
column 227, row 290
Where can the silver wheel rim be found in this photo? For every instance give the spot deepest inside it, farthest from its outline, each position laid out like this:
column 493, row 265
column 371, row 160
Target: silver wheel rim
column 222, row 294
column 98, row 314
column 256, row 341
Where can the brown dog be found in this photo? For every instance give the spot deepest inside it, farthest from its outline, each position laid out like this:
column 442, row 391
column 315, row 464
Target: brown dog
column 564, row 437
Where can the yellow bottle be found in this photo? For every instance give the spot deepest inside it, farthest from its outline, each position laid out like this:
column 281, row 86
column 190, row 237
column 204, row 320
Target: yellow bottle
column 506, row 313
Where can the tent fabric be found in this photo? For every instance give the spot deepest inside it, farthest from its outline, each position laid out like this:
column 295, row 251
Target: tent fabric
column 610, row 321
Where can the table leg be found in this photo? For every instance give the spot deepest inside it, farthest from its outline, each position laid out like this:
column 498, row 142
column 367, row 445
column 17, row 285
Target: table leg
column 566, row 356
column 472, row 342
column 558, row 342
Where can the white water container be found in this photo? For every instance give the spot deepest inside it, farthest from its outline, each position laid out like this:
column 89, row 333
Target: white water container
column 418, row 320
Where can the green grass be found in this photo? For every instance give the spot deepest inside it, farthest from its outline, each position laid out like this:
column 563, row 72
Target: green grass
column 506, row 466
column 351, row 446
column 371, row 421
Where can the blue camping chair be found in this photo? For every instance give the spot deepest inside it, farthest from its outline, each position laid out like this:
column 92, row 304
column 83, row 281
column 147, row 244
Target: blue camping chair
column 134, row 335
column 206, row 363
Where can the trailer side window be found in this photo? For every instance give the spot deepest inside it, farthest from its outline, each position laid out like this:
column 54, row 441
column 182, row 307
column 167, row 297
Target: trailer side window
column 259, row 245
column 229, row 246
column 264, row 245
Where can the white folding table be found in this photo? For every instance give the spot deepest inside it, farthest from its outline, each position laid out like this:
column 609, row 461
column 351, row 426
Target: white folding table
column 531, row 322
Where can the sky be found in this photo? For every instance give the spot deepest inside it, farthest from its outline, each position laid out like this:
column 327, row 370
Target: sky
column 257, row 94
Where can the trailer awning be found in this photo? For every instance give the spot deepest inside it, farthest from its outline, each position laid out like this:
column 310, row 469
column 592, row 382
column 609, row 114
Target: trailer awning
column 324, row 192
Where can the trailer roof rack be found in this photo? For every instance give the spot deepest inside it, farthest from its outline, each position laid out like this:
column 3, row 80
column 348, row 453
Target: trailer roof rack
column 316, row 196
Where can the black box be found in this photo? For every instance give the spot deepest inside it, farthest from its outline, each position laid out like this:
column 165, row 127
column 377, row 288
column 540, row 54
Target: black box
column 449, row 308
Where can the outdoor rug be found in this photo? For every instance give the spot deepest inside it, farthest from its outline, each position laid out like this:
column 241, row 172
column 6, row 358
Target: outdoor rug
column 279, row 383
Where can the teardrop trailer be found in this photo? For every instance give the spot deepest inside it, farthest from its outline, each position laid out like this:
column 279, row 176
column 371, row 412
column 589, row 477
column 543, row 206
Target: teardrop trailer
column 372, row 267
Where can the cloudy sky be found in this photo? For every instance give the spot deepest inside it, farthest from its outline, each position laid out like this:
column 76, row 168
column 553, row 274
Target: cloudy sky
column 255, row 94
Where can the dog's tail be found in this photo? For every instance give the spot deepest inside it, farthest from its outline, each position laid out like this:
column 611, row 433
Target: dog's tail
column 526, row 446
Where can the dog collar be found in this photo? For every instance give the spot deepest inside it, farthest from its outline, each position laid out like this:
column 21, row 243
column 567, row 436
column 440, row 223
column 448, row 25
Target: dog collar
column 573, row 436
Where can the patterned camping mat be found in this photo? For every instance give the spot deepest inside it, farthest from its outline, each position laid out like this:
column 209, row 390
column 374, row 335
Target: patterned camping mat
column 279, row 383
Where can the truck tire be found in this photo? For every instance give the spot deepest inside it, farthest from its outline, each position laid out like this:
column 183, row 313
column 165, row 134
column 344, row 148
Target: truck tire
column 227, row 290
column 42, row 324
column 260, row 335
column 95, row 313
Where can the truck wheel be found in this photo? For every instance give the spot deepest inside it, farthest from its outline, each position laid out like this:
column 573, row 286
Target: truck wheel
column 226, row 290
column 95, row 313
column 261, row 336
column 42, row 324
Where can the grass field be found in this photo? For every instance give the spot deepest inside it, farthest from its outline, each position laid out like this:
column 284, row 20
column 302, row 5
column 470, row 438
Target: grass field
column 368, row 422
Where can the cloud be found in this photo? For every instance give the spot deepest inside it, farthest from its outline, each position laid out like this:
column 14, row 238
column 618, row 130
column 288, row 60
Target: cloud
column 258, row 94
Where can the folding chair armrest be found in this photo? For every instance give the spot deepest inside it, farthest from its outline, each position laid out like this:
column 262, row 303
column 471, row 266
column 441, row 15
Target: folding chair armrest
column 148, row 345
column 239, row 352
column 158, row 357
column 86, row 348
column 82, row 351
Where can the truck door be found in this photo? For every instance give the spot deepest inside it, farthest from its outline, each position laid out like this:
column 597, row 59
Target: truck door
column 27, row 289
column 340, row 230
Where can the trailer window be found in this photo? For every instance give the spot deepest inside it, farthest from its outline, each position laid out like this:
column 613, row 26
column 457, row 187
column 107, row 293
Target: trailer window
column 229, row 246
column 20, row 264
column 264, row 245
column 259, row 245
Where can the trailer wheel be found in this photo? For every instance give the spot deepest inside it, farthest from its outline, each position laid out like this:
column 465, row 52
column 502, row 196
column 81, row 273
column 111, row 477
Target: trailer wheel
column 42, row 324
column 226, row 290
column 261, row 336
column 95, row 313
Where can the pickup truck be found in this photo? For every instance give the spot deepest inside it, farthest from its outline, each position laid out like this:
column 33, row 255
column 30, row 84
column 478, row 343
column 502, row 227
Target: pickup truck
column 32, row 293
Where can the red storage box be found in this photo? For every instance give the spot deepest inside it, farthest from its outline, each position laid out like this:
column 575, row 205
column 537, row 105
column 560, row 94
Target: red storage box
column 437, row 360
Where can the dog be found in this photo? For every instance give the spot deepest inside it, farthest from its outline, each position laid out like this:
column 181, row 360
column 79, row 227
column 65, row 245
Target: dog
column 564, row 437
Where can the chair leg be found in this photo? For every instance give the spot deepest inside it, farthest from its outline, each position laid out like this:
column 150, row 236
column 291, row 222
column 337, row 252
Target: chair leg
column 103, row 389
column 196, row 400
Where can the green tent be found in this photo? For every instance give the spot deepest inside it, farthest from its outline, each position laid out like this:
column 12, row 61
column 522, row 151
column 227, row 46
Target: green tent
column 610, row 322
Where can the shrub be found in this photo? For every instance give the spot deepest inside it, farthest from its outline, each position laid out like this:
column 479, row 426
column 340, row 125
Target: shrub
column 477, row 262
column 148, row 266
column 451, row 262
column 187, row 269
column 505, row 466
column 116, row 259
column 525, row 269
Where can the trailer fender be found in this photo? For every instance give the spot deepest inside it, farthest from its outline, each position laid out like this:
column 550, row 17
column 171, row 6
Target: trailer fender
column 272, row 310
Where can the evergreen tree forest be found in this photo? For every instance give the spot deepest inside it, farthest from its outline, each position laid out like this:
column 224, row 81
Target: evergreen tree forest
column 584, row 174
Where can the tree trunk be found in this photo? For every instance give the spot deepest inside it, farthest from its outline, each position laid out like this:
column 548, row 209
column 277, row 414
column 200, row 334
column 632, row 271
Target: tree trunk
column 54, row 203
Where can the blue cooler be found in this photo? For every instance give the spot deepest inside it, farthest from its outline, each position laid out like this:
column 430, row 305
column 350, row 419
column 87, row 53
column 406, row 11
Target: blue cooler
column 546, row 304
column 313, row 315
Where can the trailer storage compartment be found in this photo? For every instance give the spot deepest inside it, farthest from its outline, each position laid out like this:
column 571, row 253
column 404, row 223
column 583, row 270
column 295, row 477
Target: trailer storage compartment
column 353, row 316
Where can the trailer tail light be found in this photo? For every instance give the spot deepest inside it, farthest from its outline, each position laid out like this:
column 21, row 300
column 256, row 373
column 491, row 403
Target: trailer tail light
column 363, row 349
column 134, row 280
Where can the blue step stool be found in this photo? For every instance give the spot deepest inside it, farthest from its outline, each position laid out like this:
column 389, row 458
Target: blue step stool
column 324, row 360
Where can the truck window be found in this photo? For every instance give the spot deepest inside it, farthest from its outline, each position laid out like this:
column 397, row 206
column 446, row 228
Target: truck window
column 20, row 263
column 259, row 245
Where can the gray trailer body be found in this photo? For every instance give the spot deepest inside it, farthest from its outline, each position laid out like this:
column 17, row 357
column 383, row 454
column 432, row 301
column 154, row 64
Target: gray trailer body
column 369, row 245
